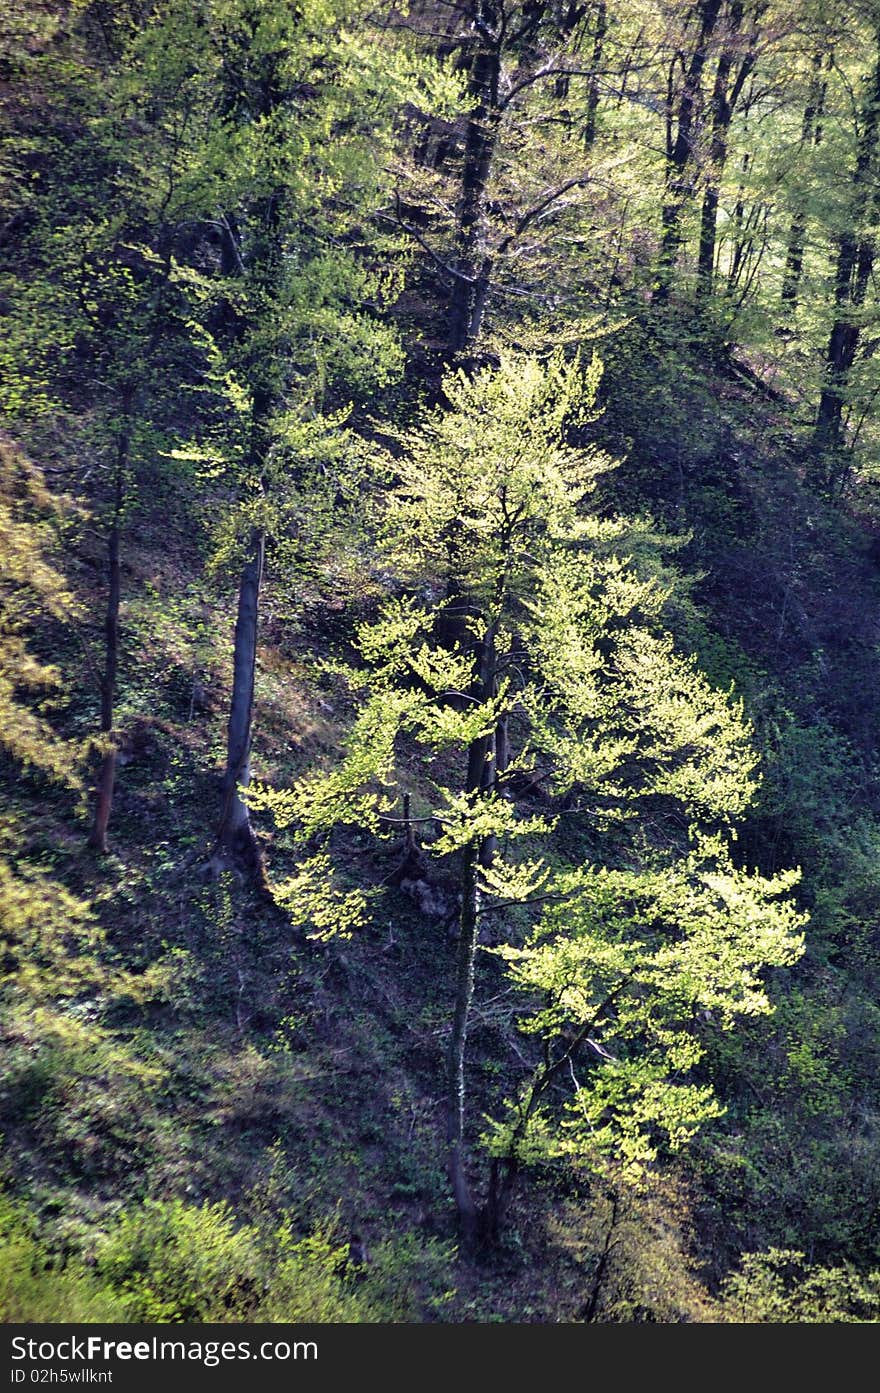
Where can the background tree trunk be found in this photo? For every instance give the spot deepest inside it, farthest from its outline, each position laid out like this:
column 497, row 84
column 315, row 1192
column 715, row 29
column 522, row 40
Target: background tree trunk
column 595, row 62
column 471, row 285
column 729, row 83
column 106, row 781
column 681, row 150
column 455, row 1079
column 236, row 844
column 480, row 776
column 855, row 263
column 811, row 136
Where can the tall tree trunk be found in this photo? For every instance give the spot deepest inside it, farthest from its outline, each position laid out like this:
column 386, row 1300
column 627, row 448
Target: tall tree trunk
column 856, row 253
column 794, row 261
column 471, row 284
column 106, row 781
column 592, row 109
column 256, row 261
column 236, row 845
column 811, row 136
column 681, row 148
column 455, row 1073
column 728, row 87
column 741, row 238
column 854, row 257
column 592, row 1304
column 480, row 776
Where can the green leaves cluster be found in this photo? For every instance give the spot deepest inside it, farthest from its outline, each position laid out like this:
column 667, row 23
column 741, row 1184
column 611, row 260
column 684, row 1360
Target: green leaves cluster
column 627, row 972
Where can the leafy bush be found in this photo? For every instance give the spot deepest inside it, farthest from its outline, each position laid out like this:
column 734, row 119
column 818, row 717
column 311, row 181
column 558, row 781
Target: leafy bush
column 781, row 1287
column 177, row 1262
column 35, row 1286
column 171, row 1261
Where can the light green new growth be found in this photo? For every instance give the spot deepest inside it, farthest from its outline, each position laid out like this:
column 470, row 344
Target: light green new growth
column 631, row 968
column 544, row 653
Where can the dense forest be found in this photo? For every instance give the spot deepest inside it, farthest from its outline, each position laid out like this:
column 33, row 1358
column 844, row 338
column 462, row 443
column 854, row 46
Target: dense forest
column 440, row 661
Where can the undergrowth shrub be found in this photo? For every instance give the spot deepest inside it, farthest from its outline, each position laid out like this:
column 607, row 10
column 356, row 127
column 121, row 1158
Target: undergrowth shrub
column 37, row 1286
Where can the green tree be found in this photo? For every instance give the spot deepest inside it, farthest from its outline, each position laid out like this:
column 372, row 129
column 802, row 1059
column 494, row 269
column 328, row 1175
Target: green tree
column 282, row 117
column 539, row 662
column 56, row 980
column 94, row 341
column 501, row 195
